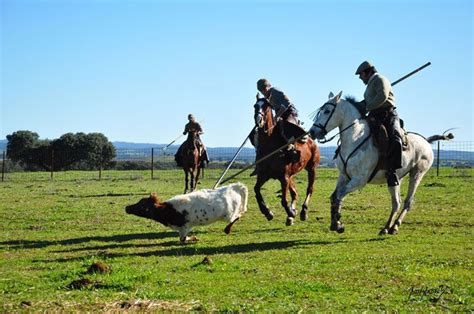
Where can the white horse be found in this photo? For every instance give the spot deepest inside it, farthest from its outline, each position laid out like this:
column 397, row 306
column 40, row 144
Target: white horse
column 358, row 158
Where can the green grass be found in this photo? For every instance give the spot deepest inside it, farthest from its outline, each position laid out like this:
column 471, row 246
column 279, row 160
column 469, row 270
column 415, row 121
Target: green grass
column 52, row 231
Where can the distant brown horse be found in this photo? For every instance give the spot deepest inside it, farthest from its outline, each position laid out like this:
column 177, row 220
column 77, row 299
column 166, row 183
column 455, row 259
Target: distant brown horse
column 190, row 162
column 268, row 139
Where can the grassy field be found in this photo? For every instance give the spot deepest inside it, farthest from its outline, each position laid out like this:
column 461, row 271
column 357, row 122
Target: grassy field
column 52, row 232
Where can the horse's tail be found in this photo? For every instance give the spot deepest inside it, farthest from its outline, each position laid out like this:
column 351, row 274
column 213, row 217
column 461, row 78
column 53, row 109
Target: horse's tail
column 443, row 137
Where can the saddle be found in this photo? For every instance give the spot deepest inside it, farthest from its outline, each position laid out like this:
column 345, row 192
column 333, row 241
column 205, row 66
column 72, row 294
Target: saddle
column 381, row 140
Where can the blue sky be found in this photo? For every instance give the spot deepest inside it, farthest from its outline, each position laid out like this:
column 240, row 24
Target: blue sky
column 133, row 70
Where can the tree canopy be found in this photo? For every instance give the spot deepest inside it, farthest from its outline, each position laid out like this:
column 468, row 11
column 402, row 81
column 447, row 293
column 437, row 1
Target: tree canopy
column 70, row 151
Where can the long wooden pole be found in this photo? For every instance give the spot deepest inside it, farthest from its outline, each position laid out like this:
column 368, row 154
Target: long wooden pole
column 232, row 161
column 411, row 73
column 266, row 157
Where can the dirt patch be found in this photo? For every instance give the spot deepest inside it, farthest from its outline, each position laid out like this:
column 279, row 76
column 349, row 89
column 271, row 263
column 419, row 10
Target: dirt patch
column 82, row 283
column 98, row 268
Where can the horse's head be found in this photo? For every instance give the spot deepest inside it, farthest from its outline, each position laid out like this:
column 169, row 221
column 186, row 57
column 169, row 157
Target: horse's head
column 326, row 118
column 263, row 114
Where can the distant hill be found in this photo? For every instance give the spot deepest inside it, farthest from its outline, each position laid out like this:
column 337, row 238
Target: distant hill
column 130, row 145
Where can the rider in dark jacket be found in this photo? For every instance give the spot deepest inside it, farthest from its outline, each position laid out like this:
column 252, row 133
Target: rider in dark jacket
column 281, row 104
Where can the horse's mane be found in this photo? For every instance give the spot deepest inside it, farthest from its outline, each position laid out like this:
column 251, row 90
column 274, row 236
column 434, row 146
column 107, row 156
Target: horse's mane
column 350, row 99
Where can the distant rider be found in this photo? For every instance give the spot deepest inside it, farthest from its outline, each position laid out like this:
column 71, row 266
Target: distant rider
column 194, row 130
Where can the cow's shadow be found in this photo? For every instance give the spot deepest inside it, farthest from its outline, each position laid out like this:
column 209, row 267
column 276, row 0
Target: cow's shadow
column 32, row 244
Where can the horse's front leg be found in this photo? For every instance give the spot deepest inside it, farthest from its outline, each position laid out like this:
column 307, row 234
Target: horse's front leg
column 290, row 212
column 343, row 188
column 193, row 180
column 186, row 182
column 258, row 195
column 309, row 192
column 294, row 196
column 395, row 194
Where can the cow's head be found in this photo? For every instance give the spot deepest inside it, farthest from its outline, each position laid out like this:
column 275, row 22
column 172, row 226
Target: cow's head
column 145, row 207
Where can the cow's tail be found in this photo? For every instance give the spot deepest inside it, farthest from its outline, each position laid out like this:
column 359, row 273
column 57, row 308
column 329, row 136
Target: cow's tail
column 244, row 193
column 435, row 138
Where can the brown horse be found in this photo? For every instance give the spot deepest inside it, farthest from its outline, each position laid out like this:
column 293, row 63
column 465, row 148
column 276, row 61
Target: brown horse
column 268, row 139
column 190, row 162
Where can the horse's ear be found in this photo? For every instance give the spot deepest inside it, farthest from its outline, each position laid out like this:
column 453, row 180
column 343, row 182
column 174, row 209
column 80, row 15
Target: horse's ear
column 331, row 95
column 338, row 96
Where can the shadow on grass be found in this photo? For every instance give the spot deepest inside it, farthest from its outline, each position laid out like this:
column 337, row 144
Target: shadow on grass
column 174, row 248
column 28, row 244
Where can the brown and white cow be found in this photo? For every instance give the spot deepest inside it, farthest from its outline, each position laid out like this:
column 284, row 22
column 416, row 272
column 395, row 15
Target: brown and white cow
column 197, row 208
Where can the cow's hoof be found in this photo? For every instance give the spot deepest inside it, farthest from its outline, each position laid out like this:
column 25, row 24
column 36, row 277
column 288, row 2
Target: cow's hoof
column 383, row 232
column 340, row 229
column 290, row 221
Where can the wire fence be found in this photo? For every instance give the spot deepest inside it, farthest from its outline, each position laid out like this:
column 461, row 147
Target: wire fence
column 453, row 158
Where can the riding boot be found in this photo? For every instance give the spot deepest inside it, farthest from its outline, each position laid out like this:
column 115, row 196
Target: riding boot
column 396, row 148
column 291, row 154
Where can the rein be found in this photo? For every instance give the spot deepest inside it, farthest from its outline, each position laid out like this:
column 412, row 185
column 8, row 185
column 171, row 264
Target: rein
column 324, row 141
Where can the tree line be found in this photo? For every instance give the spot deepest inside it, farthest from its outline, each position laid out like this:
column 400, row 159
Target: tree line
column 72, row 151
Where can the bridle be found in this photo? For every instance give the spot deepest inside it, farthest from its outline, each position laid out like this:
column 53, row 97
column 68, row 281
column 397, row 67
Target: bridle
column 319, row 125
column 323, row 127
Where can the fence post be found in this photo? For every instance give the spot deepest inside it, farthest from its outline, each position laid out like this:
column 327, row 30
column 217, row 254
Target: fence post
column 52, row 163
column 100, row 162
column 152, row 161
column 3, row 166
column 437, row 161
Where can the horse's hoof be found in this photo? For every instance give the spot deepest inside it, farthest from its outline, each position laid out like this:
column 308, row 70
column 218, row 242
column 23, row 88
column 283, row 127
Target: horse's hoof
column 340, row 229
column 384, row 231
column 289, row 221
column 269, row 216
column 393, row 230
column 303, row 215
column 188, row 240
